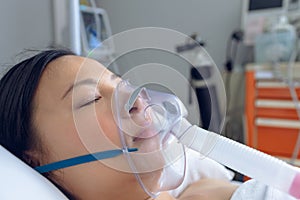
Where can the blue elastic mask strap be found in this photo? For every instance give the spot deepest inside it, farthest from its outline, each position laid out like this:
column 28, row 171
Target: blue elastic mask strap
column 82, row 159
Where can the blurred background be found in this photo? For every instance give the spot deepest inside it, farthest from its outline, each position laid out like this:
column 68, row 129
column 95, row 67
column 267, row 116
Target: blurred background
column 254, row 44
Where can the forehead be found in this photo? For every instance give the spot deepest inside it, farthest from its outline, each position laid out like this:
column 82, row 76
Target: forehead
column 70, row 66
column 61, row 73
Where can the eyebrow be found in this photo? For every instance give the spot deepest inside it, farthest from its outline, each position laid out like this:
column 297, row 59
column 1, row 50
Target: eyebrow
column 88, row 81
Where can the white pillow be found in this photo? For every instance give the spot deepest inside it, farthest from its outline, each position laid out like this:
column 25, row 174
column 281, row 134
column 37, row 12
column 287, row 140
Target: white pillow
column 19, row 181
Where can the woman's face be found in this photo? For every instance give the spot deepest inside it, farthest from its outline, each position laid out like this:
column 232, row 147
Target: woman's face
column 72, row 116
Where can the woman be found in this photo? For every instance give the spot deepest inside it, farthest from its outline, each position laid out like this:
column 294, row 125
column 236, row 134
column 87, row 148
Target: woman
column 39, row 126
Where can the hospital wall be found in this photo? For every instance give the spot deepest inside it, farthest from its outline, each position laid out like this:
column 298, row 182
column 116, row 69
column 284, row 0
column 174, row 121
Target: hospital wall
column 24, row 24
column 29, row 24
column 213, row 20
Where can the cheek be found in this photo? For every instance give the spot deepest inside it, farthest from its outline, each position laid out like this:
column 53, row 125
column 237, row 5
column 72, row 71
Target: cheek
column 60, row 138
column 96, row 128
column 109, row 127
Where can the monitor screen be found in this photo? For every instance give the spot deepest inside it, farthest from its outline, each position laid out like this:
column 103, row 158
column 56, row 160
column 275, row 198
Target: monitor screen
column 264, row 4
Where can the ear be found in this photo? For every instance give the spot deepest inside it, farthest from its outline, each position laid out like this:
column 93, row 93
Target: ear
column 32, row 158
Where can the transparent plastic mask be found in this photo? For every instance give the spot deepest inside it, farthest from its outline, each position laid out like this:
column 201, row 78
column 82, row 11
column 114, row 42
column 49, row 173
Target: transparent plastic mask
column 145, row 118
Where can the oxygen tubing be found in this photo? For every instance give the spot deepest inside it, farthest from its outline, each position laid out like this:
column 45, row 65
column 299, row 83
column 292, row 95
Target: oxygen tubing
column 246, row 160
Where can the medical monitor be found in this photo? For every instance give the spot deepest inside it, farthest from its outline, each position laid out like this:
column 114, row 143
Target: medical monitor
column 259, row 16
column 262, row 9
column 257, row 5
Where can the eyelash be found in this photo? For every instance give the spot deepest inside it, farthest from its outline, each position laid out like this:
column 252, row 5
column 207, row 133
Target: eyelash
column 95, row 100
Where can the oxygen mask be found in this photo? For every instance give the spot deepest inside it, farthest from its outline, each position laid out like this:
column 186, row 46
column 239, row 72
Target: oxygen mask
column 145, row 118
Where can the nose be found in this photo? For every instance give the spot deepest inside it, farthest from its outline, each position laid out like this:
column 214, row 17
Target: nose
column 137, row 101
column 138, row 111
column 138, row 106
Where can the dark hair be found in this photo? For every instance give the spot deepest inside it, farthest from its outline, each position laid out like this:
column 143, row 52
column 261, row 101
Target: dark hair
column 17, row 89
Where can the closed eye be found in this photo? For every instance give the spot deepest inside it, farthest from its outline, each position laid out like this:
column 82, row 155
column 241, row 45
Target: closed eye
column 95, row 100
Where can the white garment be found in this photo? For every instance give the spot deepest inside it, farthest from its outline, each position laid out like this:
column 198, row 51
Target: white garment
column 254, row 190
column 199, row 167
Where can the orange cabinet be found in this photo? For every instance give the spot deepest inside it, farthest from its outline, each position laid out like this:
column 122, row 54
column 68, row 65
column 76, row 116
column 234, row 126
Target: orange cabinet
column 272, row 123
